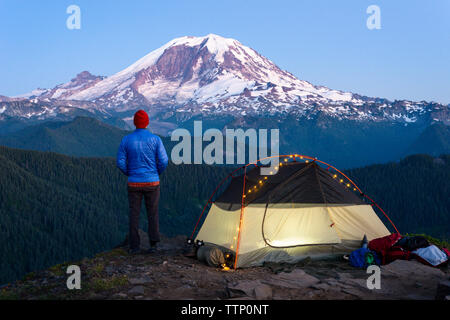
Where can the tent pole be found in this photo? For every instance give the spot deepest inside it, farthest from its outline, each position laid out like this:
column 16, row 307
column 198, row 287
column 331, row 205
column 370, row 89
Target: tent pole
column 240, row 218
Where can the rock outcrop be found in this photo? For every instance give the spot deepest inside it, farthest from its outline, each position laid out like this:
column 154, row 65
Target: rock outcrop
column 168, row 274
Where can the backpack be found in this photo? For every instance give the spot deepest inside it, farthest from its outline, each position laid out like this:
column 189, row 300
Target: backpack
column 413, row 243
column 383, row 245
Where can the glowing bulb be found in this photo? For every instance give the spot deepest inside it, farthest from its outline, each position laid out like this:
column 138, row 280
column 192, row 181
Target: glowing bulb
column 341, row 181
column 265, row 178
column 271, row 172
column 335, row 176
column 281, row 164
column 249, row 190
column 285, row 160
column 307, row 161
column 348, row 185
column 260, row 181
column 289, row 157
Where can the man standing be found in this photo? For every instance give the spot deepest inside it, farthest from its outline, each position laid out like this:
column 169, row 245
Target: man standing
column 142, row 158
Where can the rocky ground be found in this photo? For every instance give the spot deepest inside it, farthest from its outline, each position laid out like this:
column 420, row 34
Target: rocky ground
column 168, row 274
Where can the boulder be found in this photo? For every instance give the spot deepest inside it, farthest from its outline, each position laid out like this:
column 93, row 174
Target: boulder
column 321, row 286
column 354, row 292
column 142, row 280
column 250, row 288
column 443, row 290
column 245, row 287
column 411, row 269
column 263, row 292
column 297, row 279
column 109, row 270
column 138, row 290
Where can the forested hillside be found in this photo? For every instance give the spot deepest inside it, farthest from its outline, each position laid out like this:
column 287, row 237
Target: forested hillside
column 434, row 140
column 415, row 192
column 83, row 136
column 54, row 208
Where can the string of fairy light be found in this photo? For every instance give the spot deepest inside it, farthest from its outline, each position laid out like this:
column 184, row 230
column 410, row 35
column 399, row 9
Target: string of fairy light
column 260, row 183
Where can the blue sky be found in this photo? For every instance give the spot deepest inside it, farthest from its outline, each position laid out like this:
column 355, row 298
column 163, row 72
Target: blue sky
column 324, row 42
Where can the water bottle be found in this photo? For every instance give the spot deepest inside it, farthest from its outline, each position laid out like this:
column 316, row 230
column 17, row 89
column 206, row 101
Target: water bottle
column 365, row 243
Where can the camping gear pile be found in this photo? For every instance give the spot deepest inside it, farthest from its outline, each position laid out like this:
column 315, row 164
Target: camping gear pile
column 394, row 246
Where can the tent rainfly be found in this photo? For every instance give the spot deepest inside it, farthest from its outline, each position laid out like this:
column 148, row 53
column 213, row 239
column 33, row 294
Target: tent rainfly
column 302, row 210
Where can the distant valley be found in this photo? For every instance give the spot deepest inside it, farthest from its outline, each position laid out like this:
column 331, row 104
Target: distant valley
column 345, row 145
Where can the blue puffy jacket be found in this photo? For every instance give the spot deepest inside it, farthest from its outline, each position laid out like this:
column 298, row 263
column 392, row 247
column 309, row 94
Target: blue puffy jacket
column 142, row 156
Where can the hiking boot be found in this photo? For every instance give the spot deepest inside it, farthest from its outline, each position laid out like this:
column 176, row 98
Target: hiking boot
column 134, row 251
column 151, row 250
column 153, row 247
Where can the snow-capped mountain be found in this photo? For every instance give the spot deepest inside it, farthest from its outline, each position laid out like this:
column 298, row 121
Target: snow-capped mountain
column 212, row 75
column 81, row 82
column 202, row 69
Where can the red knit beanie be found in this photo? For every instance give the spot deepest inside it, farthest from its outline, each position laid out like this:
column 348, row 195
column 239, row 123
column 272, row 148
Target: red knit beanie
column 141, row 119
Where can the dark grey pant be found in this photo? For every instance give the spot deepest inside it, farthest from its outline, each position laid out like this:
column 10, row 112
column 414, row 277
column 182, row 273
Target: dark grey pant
column 151, row 197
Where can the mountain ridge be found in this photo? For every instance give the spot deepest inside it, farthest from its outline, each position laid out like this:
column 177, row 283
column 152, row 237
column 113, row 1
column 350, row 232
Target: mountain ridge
column 215, row 76
column 82, row 136
column 93, row 137
column 434, row 140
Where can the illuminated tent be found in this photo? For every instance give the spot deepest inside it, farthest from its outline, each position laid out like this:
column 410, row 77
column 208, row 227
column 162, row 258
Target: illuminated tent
column 303, row 210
